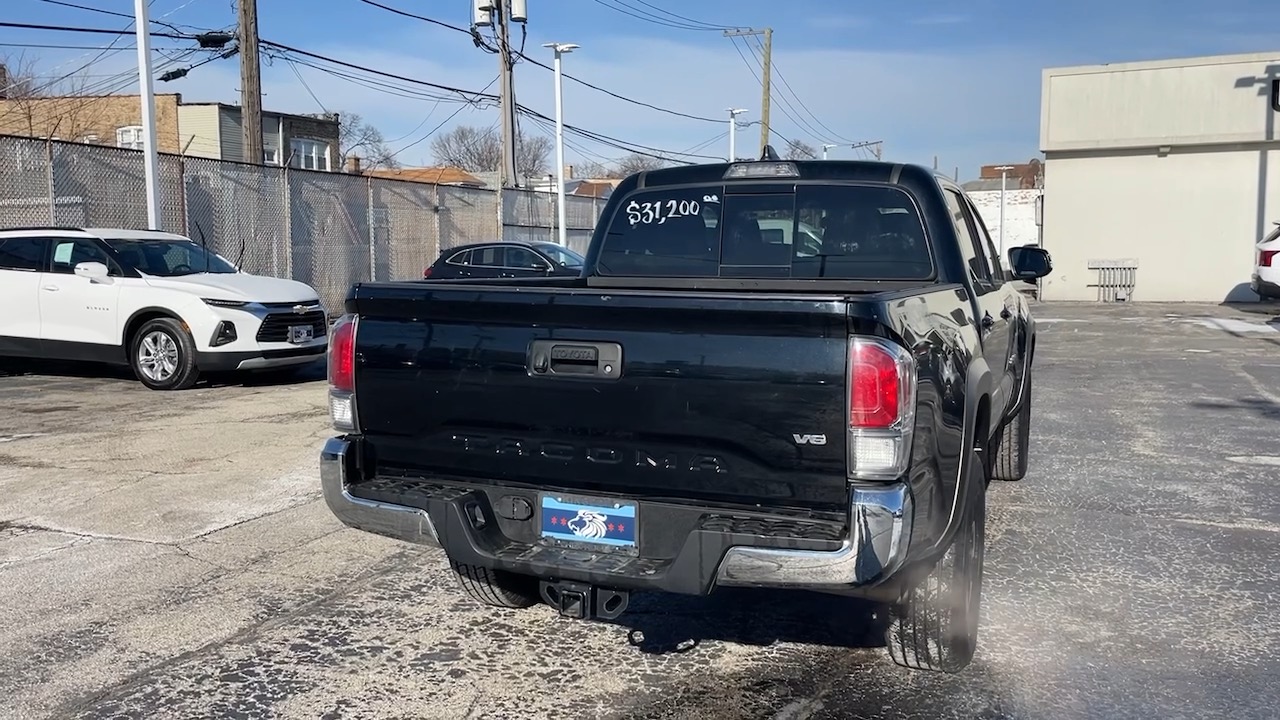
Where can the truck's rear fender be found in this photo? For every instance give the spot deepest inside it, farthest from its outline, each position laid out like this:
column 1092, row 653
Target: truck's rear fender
column 954, row 385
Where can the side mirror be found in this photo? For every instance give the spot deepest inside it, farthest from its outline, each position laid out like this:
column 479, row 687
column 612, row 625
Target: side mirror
column 1029, row 262
column 92, row 270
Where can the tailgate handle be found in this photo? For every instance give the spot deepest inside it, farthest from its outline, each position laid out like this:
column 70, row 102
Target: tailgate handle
column 567, row 358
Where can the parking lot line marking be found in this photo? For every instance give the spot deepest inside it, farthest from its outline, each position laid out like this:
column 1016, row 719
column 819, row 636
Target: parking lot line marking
column 20, row 436
column 1255, row 459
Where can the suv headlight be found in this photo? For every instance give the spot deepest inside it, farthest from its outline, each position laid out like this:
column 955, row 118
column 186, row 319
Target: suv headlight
column 224, row 303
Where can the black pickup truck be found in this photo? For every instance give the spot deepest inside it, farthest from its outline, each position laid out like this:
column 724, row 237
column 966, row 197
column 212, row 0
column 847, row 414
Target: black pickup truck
column 769, row 374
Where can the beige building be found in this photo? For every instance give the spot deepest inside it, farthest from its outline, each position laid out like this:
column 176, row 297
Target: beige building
column 211, row 130
column 1159, row 177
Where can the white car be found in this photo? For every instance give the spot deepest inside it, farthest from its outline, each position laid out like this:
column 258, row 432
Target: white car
column 153, row 300
column 1266, row 271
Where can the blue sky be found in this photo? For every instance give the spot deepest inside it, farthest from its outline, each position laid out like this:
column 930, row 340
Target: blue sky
column 960, row 81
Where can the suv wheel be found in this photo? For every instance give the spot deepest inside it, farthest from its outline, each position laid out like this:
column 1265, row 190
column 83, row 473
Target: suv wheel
column 163, row 355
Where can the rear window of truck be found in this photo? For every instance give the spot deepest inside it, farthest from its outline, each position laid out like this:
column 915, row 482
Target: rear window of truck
column 855, row 232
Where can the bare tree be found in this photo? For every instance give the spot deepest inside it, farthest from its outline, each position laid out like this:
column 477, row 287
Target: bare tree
column 799, row 150
column 635, row 163
column 361, row 139
column 480, row 150
column 43, row 107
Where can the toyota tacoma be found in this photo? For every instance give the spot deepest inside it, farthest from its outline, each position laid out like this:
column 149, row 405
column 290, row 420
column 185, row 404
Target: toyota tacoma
column 769, row 374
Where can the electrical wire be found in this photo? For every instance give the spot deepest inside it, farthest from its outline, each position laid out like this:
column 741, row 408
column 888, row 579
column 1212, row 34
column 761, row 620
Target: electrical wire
column 520, row 53
column 681, row 17
column 113, row 13
column 294, row 67
column 830, row 134
column 656, row 19
column 92, row 31
column 612, row 94
column 442, row 123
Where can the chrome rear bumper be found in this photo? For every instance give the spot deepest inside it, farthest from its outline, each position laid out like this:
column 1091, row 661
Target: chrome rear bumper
column 880, row 531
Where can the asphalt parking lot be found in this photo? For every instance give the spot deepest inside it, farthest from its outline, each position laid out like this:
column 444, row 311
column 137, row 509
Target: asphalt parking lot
column 168, row 555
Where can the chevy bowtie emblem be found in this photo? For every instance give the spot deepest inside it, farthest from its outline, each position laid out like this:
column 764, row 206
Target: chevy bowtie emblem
column 300, row 309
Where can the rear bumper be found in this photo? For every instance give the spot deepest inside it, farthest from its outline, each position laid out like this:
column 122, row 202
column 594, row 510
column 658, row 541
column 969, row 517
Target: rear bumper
column 259, row 359
column 1264, row 288
column 683, row 549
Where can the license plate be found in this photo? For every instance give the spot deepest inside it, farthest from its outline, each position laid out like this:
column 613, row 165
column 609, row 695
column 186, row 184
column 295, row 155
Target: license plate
column 610, row 524
column 300, row 333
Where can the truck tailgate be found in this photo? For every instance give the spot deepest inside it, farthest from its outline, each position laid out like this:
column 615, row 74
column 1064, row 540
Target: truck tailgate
column 704, row 397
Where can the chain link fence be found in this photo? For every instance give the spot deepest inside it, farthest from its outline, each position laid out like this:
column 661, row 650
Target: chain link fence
column 328, row 230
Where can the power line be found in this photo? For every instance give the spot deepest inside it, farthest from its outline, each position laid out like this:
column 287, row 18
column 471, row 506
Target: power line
column 110, row 12
column 93, row 31
column 467, row 95
column 542, row 65
column 442, row 123
column 621, row 97
column 305, row 53
column 708, row 25
column 832, row 134
column 656, row 19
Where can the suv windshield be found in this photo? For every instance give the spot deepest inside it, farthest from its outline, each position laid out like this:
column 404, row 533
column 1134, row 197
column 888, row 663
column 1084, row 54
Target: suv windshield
column 564, row 256
column 168, row 258
column 862, row 232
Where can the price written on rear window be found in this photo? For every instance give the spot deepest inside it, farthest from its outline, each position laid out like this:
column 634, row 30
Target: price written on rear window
column 660, row 211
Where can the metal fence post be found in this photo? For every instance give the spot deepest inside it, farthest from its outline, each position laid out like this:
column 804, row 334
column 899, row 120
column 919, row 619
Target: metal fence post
column 288, row 221
column 373, row 236
column 502, row 217
column 436, row 209
column 53, row 192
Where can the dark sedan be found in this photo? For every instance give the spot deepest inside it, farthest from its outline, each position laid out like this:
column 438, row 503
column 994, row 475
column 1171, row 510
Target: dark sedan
column 505, row 259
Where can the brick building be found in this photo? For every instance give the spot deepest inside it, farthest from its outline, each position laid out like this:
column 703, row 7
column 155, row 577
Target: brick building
column 212, row 130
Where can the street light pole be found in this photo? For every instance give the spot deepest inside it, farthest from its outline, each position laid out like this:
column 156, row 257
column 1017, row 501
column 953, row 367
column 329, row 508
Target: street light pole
column 733, row 133
column 150, row 160
column 560, row 49
column 825, row 148
column 1004, row 170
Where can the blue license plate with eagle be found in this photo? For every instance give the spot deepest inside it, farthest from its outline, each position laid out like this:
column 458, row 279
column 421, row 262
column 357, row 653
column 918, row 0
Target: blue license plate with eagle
column 605, row 523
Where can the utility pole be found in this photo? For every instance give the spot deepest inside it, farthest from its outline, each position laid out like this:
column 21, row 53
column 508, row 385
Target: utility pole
column 767, row 64
column 251, row 85
column 150, row 160
column 502, row 9
column 733, row 133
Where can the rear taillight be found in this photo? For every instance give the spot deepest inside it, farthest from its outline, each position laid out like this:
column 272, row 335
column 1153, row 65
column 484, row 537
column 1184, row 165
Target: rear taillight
column 882, row 401
column 1267, row 257
column 342, row 373
column 426, row 273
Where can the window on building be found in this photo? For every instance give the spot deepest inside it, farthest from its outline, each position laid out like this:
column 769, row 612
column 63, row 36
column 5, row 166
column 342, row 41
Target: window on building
column 309, row 154
column 89, row 139
column 129, row 136
column 271, row 155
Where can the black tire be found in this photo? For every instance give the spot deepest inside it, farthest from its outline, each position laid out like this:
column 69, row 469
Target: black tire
column 1012, row 447
column 497, row 588
column 179, row 349
column 936, row 626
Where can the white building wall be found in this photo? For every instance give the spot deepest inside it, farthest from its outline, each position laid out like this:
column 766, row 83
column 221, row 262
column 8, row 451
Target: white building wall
column 1019, row 215
column 1190, row 219
column 1174, row 164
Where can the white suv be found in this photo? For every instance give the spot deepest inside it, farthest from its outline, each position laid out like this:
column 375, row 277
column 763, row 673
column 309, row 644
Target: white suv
column 1266, row 269
column 156, row 301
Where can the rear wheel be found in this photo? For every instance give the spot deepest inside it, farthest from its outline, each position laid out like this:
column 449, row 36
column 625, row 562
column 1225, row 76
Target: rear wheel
column 936, row 626
column 497, row 588
column 163, row 355
column 1012, row 446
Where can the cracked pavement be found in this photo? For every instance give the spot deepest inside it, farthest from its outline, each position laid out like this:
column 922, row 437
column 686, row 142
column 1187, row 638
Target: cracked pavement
column 167, row 555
